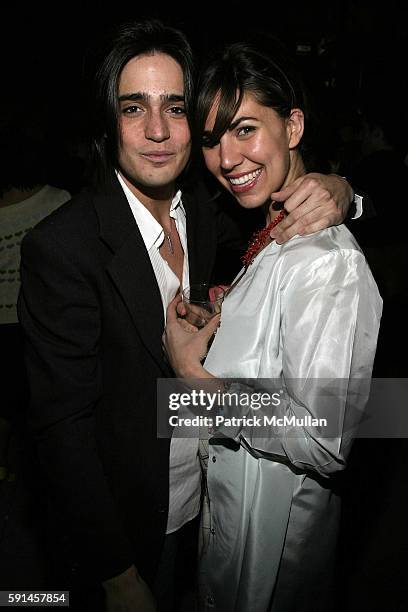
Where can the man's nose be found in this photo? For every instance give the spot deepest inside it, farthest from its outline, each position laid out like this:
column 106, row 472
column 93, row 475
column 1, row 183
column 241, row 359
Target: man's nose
column 157, row 128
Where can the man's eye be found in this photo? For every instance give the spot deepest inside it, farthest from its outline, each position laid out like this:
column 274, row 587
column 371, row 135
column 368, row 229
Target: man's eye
column 177, row 110
column 130, row 110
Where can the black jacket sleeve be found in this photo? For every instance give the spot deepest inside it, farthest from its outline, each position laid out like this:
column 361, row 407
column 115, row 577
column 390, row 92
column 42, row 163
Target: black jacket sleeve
column 59, row 312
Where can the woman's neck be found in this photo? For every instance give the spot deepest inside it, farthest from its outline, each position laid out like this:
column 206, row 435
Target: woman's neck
column 297, row 169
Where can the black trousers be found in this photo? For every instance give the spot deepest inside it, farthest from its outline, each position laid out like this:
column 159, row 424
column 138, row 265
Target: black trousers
column 175, row 587
column 176, row 581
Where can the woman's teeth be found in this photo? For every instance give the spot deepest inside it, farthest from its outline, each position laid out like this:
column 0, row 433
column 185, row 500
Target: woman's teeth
column 247, row 178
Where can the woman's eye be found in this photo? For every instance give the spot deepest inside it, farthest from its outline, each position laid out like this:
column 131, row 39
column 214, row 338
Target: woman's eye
column 206, row 142
column 245, row 130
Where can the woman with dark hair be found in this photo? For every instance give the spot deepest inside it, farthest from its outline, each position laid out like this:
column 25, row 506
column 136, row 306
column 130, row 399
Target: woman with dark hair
column 306, row 314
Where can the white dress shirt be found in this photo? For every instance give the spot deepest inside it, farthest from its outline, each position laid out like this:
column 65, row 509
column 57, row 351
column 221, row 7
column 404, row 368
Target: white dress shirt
column 185, row 473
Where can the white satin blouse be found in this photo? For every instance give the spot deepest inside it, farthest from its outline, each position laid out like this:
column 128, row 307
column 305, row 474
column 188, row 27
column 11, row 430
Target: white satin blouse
column 305, row 311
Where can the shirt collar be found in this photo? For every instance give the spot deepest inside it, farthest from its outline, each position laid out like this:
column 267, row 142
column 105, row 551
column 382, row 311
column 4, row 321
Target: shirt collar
column 150, row 229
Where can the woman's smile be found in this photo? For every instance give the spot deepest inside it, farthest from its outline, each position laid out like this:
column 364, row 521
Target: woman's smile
column 244, row 182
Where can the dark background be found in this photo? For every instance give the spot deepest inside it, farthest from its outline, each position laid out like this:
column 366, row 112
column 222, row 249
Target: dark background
column 351, row 53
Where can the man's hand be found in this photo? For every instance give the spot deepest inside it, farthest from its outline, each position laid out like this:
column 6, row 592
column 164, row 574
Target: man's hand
column 128, row 593
column 313, row 202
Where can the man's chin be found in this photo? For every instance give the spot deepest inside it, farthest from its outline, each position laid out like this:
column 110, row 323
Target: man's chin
column 161, row 176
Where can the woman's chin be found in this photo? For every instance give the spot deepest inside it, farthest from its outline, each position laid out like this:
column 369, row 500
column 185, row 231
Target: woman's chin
column 249, row 200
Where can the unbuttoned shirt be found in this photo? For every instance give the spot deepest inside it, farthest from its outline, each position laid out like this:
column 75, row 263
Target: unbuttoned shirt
column 185, row 473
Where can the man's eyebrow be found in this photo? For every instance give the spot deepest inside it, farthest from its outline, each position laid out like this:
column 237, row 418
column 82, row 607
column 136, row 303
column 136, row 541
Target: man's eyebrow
column 142, row 96
column 235, row 123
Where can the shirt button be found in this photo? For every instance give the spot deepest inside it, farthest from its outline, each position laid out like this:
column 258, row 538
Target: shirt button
column 212, row 531
column 214, row 459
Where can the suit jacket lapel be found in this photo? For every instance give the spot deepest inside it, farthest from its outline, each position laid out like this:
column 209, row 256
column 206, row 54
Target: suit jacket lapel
column 130, row 268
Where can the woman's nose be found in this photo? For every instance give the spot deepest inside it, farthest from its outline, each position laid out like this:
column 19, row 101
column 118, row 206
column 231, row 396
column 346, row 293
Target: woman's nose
column 230, row 155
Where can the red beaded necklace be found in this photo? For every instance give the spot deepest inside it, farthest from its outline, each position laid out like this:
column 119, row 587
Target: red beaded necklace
column 259, row 240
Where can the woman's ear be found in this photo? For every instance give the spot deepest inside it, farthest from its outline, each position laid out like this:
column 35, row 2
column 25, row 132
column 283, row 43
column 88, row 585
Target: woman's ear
column 295, row 127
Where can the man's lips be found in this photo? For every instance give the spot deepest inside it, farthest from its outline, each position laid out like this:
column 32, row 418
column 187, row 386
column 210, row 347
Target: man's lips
column 244, row 181
column 157, row 156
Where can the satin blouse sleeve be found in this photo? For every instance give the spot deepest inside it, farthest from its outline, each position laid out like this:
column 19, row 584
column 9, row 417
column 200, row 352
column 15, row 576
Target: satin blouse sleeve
column 330, row 314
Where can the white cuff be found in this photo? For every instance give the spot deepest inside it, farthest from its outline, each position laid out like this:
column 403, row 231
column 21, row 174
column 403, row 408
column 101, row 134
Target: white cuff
column 358, row 201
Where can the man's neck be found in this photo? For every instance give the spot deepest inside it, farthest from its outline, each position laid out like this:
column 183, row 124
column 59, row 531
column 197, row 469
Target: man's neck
column 157, row 200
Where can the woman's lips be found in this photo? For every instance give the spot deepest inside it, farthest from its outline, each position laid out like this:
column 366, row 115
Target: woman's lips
column 244, row 182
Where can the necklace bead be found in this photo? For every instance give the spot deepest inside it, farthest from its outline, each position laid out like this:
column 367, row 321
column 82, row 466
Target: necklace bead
column 259, row 240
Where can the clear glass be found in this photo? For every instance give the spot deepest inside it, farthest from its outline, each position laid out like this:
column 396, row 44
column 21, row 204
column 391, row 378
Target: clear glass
column 202, row 301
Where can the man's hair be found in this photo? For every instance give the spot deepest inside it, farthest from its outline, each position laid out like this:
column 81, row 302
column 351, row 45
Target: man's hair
column 129, row 40
column 262, row 68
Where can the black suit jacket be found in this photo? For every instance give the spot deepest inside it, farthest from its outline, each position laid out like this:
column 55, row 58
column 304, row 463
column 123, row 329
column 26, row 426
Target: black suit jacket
column 93, row 317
